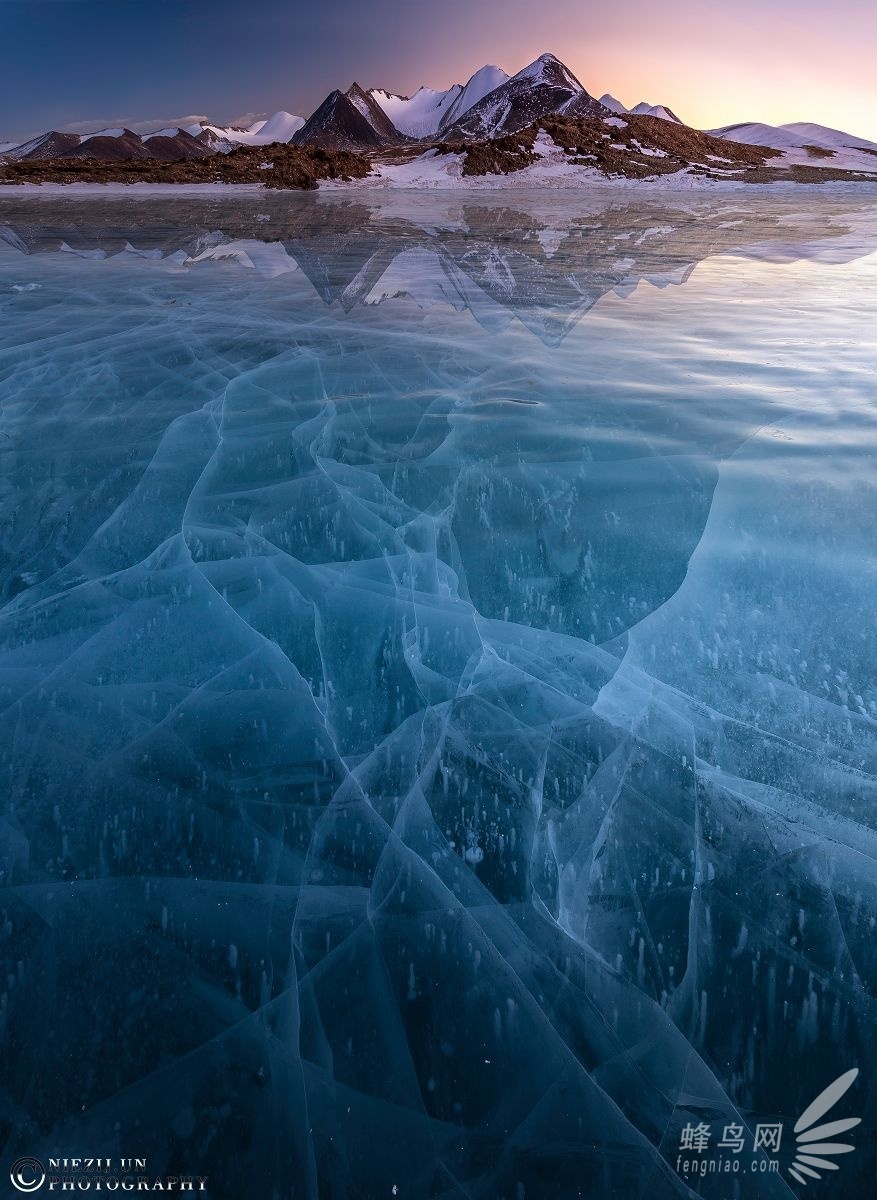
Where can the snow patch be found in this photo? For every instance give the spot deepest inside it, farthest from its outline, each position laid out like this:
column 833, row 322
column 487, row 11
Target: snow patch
column 649, row 153
column 421, row 114
column 116, row 132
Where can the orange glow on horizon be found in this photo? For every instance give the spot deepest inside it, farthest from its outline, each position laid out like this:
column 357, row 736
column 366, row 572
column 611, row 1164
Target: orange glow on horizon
column 712, row 71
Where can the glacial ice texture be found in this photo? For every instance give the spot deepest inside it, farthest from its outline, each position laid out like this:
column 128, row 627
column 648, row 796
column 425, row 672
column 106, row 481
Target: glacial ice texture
column 437, row 687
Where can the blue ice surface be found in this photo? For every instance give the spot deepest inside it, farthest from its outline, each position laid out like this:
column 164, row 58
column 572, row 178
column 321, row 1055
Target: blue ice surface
column 437, row 686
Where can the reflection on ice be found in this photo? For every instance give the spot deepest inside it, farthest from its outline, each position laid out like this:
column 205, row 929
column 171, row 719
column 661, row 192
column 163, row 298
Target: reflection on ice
column 495, row 260
column 438, row 730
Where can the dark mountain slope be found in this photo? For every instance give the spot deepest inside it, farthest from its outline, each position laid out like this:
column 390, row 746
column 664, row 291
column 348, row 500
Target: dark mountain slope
column 338, row 125
column 107, row 148
column 369, row 108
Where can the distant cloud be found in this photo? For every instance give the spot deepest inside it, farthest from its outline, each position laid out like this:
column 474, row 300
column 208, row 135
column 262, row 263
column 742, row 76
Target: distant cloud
column 135, row 126
column 249, row 119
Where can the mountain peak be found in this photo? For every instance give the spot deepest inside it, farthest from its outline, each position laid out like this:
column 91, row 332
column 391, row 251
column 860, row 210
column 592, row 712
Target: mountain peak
column 340, row 124
column 544, row 86
column 279, row 127
column 485, row 80
column 614, row 105
column 644, row 109
column 548, row 68
column 366, row 104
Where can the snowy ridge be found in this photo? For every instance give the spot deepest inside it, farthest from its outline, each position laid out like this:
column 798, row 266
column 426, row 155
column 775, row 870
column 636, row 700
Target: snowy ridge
column 427, row 112
column 644, row 109
column 169, row 131
column 279, row 127
column 421, row 114
column 484, row 81
column 824, row 135
column 113, row 133
column 840, row 150
column 47, row 145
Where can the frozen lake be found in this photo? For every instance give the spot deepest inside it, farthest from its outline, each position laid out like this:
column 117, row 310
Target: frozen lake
column 437, row 686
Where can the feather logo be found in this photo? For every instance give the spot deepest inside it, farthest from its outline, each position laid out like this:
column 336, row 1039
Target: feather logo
column 813, row 1152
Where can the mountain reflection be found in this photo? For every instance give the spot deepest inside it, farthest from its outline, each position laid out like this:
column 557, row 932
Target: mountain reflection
column 435, row 753
column 519, row 258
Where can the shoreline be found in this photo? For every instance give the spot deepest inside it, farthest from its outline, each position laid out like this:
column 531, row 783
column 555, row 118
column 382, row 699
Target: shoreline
column 640, row 153
column 223, row 191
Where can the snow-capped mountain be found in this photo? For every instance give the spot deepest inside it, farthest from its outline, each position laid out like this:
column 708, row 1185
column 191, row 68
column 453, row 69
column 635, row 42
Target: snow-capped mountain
column 609, row 101
column 824, row 135
column 644, row 109
column 484, row 81
column 172, row 145
column 545, row 86
column 807, row 144
column 279, row 127
column 491, row 104
column 339, row 125
column 111, row 145
column 427, row 112
column 48, row 145
column 756, row 133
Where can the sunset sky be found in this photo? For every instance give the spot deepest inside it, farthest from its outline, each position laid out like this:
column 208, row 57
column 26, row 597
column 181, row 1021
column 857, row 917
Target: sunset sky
column 87, row 63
